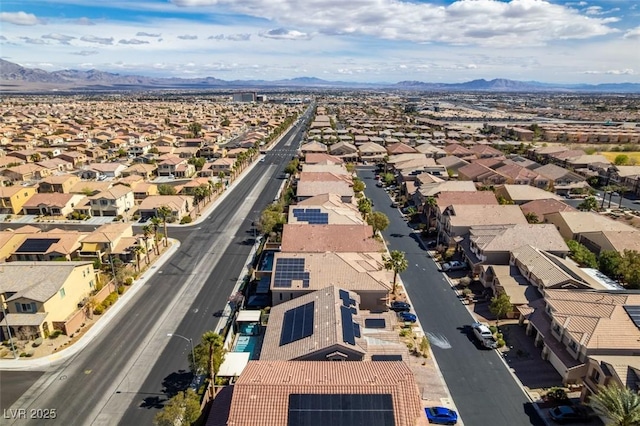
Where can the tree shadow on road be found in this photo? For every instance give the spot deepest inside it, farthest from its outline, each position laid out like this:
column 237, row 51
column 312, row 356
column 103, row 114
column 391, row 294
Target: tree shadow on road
column 176, row 382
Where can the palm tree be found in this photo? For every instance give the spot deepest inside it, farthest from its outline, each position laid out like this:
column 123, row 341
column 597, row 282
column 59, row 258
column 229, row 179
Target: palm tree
column 215, row 345
column 137, row 251
column 619, row 404
column 147, row 231
column 397, row 263
column 156, row 221
column 164, row 212
column 431, row 203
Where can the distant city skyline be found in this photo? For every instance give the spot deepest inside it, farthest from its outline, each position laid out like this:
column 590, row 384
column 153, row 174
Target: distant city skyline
column 357, row 41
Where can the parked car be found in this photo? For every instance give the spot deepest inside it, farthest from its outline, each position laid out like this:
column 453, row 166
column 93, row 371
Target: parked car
column 441, row 415
column 400, row 306
column 432, row 244
column 379, row 184
column 407, row 317
column 484, row 335
column 454, row 265
column 565, row 414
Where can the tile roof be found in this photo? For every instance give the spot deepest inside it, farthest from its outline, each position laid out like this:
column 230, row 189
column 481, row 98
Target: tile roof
column 338, row 211
column 503, row 238
column 545, row 206
column 311, row 188
column 351, row 271
column 447, row 198
column 485, row 214
column 329, row 238
column 37, row 281
column 321, row 158
column 520, row 193
column 261, row 394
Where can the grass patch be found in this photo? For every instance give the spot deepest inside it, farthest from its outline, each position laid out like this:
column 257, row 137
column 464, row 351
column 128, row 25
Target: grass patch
column 611, row 155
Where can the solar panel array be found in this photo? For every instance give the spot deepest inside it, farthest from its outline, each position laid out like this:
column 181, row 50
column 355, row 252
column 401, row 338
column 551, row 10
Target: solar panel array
column 297, row 324
column 348, row 333
column 290, row 269
column 375, row 323
column 311, row 216
column 341, row 410
column 346, row 300
column 37, row 245
column 634, row 313
column 383, row 357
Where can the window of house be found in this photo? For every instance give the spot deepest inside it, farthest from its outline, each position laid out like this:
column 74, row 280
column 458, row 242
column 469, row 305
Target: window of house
column 62, row 293
column 573, row 346
column 556, row 328
column 595, row 376
column 26, row 307
column 91, row 284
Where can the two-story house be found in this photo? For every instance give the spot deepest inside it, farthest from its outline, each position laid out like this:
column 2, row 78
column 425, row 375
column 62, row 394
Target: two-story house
column 116, row 201
column 13, row 198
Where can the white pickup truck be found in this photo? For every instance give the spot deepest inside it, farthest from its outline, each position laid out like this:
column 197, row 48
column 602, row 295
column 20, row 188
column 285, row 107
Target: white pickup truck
column 484, row 335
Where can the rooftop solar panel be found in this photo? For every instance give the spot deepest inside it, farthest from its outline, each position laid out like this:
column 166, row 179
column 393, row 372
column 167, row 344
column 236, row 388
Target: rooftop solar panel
column 374, row 323
column 356, row 329
column 386, row 357
column 634, row 313
column 36, row 245
column 288, row 270
column 311, row 216
column 340, row 410
column 344, row 295
column 348, row 335
column 297, row 323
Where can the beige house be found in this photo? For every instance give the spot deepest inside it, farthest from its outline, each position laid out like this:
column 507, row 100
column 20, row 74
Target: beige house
column 13, row 198
column 40, row 297
column 180, row 205
column 56, row 244
column 116, row 201
column 26, row 172
column 331, row 205
column 572, row 325
column 610, row 370
column 458, row 219
column 11, row 239
column 115, row 239
column 296, row 274
column 572, row 224
column 52, row 204
column 58, row 183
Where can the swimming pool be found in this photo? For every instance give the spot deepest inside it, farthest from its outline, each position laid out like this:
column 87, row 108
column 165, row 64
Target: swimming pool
column 266, row 264
column 247, row 344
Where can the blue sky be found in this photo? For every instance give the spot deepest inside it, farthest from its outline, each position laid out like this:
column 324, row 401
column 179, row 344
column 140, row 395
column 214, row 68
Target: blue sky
column 349, row 40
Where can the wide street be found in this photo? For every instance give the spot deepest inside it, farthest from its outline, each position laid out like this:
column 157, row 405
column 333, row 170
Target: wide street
column 482, row 387
column 129, row 369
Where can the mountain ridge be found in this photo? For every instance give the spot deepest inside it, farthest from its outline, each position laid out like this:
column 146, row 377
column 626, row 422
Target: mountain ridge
column 18, row 78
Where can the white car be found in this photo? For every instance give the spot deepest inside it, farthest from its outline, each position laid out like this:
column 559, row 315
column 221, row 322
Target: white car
column 454, row 265
column 484, row 335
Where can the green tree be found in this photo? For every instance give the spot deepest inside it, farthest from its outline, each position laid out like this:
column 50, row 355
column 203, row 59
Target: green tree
column 198, row 162
column 181, row 410
column 430, row 203
column 194, row 129
column 292, row 166
column 630, row 268
column 500, row 306
column 225, row 121
column 166, row 189
column 272, row 218
column 164, row 213
column 396, row 262
column 35, row 157
column 147, row 232
column 621, row 160
column 378, row 221
column 581, row 254
column 137, row 252
column 350, row 167
column 216, row 353
column 532, row 217
column 358, row 185
column 364, row 207
column 588, row 204
column 621, row 405
column 388, row 178
column 609, row 263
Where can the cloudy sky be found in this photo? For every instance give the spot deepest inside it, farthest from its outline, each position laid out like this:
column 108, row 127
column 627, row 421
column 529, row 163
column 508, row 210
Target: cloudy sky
column 349, row 40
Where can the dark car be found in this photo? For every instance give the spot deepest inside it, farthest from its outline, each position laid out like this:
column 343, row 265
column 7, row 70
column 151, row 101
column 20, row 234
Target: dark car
column 565, row 414
column 400, row 306
column 407, row 317
column 441, row 415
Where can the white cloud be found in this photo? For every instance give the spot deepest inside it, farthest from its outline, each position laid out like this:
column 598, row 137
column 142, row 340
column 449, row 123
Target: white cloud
column 483, row 22
column 85, row 53
column 627, row 71
column 633, row 34
column 281, row 33
column 188, row 37
column 143, row 34
column 133, row 41
column 84, row 21
column 230, row 37
column 61, row 38
column 97, row 40
column 19, row 18
column 30, row 40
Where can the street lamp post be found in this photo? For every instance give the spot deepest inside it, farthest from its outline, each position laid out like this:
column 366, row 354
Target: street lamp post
column 193, row 355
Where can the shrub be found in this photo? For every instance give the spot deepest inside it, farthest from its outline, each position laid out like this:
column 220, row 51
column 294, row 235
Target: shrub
column 37, row 342
column 120, row 289
column 464, row 281
column 55, row 334
column 493, row 328
column 404, row 332
column 99, row 309
column 466, row 292
column 186, row 219
column 499, row 336
column 29, row 354
column 128, row 281
column 23, row 354
column 500, row 343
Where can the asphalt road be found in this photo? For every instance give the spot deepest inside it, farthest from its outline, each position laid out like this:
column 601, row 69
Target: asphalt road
column 97, row 385
column 482, row 387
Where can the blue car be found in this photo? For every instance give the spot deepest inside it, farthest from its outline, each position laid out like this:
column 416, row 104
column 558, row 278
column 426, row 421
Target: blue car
column 407, row 317
column 441, row 416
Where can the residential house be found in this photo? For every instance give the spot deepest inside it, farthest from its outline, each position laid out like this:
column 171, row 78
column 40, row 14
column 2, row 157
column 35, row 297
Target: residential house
column 445, row 199
column 116, row 201
column 53, row 204
column 315, row 209
column 147, row 171
column 219, row 165
column 11, row 239
column 372, row 152
column 458, row 219
column 13, row 198
column 110, row 241
column 278, row 392
column 107, row 170
column 313, row 147
column 599, row 241
column 319, row 238
column 521, row 194
column 452, row 163
column 572, row 326
column 572, row 224
column 26, row 172
column 56, row 244
column 180, row 205
column 562, row 181
column 322, row 158
column 144, row 190
column 481, row 173
column 58, row 183
column 309, row 188
column 538, row 209
column 36, row 307
column 344, row 150
column 610, row 370
column 518, row 175
column 296, row 274
column 169, row 164
column 90, row 187
column 76, row 158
